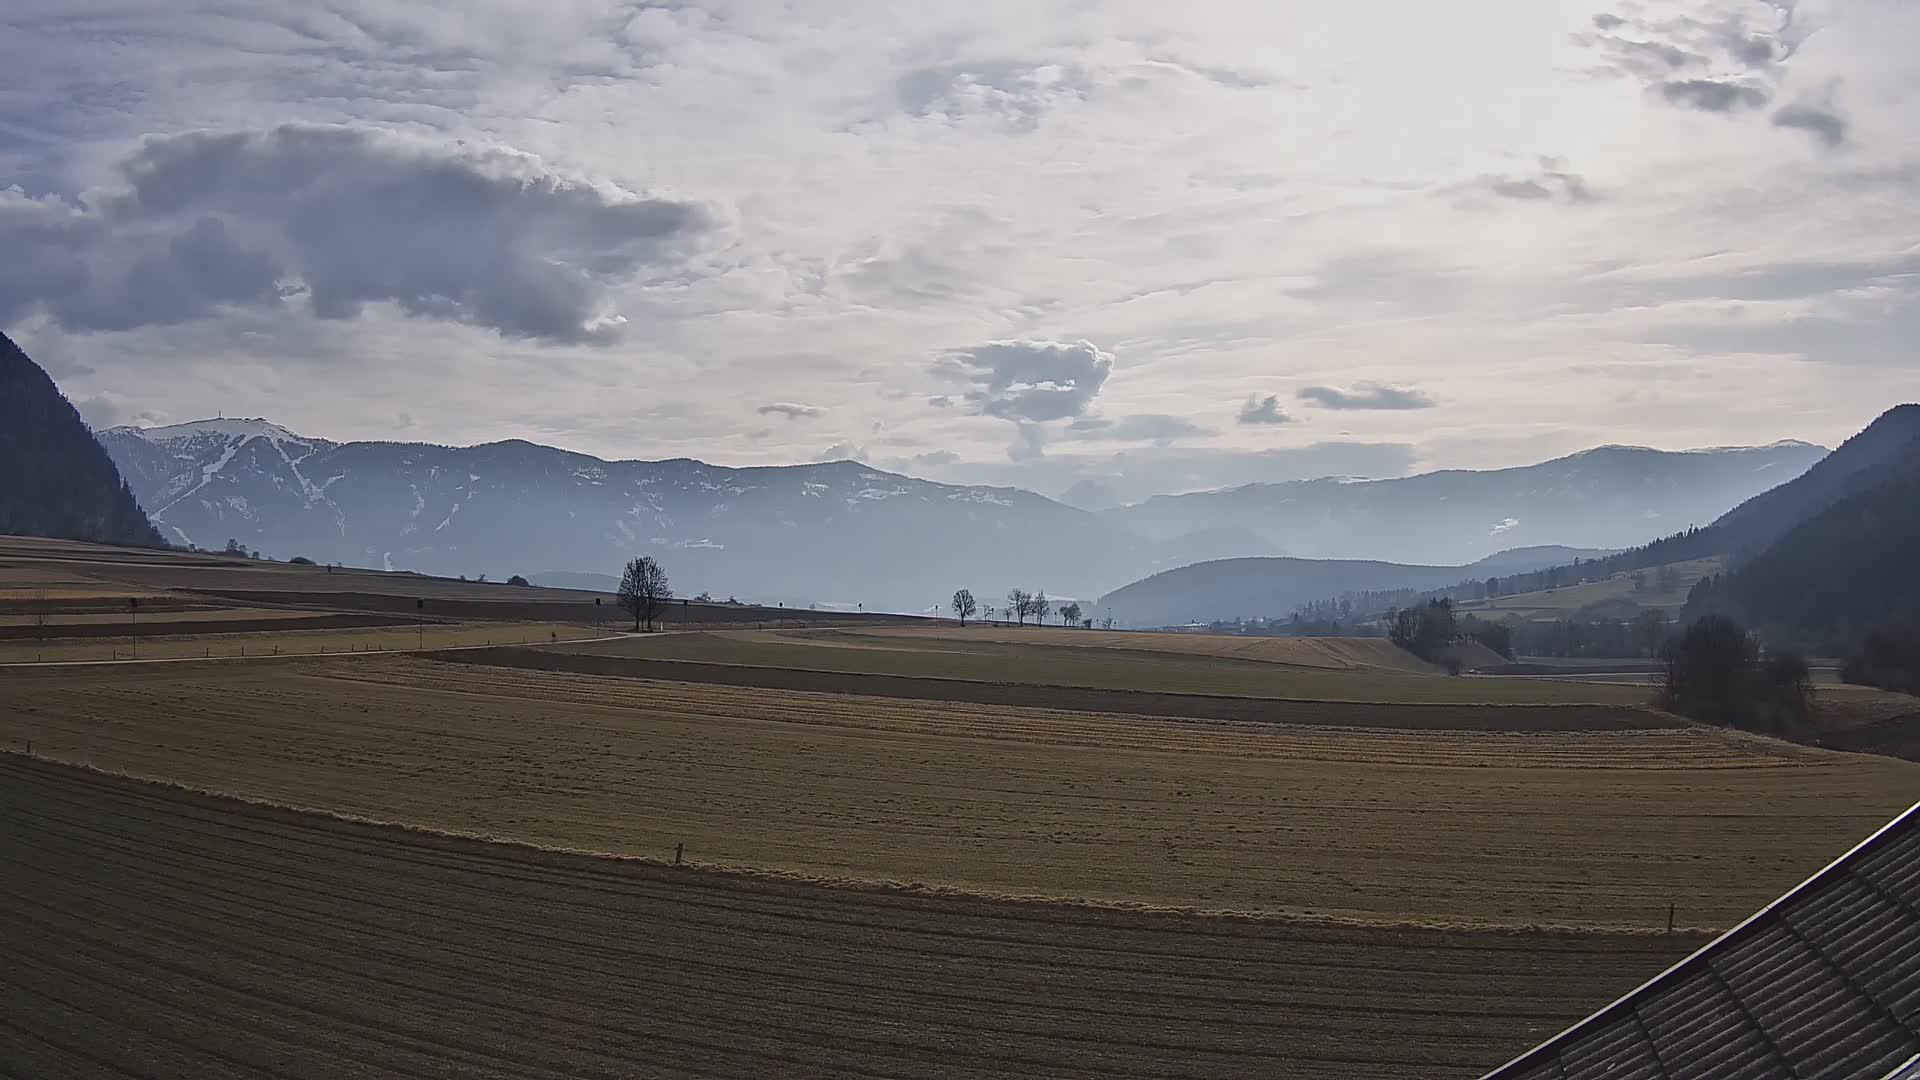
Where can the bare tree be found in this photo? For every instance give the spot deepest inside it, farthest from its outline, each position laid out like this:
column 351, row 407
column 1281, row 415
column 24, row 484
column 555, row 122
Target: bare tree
column 643, row 589
column 1019, row 603
column 964, row 605
column 1070, row 613
column 1041, row 606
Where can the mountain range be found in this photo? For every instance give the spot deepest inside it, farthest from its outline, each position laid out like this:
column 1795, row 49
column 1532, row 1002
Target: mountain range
column 1608, row 497
column 846, row 533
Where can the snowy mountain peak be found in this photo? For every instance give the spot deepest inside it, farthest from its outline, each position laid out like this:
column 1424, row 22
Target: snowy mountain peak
column 230, row 428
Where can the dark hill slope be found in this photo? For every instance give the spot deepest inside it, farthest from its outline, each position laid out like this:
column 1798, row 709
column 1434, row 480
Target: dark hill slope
column 55, row 479
column 1851, row 566
column 1884, row 450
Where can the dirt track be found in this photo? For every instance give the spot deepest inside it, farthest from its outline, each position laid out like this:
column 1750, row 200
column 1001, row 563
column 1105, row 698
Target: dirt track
column 1410, row 717
column 149, row 932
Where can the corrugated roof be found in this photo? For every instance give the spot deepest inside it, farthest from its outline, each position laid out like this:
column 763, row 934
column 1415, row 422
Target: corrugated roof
column 1822, row 984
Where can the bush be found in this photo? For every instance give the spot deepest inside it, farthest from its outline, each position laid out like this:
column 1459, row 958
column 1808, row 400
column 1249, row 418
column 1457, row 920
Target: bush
column 1888, row 657
column 518, row 580
column 301, row 560
column 1716, row 674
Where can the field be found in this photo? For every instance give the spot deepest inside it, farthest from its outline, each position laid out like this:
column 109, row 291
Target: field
column 1601, row 828
column 67, row 577
column 910, row 849
column 1618, row 590
column 260, row 641
column 218, row 941
column 1043, row 659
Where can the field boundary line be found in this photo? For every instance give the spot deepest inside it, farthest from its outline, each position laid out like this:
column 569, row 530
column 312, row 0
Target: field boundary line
column 873, row 885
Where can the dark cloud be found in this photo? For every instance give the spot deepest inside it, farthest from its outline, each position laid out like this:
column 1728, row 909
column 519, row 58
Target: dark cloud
column 1551, row 182
column 791, row 410
column 1142, row 427
column 1660, row 52
column 1827, row 126
column 1712, row 95
column 1366, row 396
column 337, row 218
column 1264, row 410
column 1029, row 380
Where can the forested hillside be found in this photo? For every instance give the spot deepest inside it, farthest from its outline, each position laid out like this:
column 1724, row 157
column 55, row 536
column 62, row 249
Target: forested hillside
column 1851, row 568
column 55, row 480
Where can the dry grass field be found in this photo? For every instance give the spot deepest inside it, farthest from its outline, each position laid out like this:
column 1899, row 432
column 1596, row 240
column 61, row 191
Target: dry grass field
column 1337, row 654
column 288, row 642
column 156, row 933
column 1578, row 828
column 1334, row 669
column 1547, row 604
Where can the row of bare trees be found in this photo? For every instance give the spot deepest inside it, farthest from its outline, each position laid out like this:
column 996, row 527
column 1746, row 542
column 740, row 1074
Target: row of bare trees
column 1021, row 606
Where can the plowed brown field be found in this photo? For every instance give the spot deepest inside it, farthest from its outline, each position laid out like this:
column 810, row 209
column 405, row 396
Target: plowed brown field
column 155, row 933
column 1588, row 828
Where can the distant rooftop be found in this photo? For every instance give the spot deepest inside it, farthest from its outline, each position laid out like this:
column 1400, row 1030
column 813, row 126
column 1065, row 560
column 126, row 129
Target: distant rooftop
column 1822, row 984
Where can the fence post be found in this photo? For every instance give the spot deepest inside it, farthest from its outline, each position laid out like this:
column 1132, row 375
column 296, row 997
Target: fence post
column 677, row 849
column 1669, row 918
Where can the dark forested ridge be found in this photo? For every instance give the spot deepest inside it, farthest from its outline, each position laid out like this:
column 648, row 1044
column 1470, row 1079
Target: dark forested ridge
column 55, row 479
column 1884, row 450
column 1849, row 568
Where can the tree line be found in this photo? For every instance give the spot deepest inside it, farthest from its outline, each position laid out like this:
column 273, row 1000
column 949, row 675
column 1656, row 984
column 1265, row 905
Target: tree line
column 1021, row 607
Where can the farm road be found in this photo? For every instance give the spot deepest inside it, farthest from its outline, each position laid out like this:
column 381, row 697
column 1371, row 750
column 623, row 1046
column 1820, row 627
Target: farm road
column 146, row 931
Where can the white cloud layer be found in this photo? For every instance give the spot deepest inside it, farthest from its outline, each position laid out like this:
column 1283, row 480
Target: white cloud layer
column 593, row 222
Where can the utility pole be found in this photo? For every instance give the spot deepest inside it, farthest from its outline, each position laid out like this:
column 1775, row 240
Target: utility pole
column 420, row 619
column 133, row 608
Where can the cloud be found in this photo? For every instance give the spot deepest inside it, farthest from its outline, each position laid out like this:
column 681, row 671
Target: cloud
column 1549, row 182
column 1137, row 473
column 1366, row 396
column 936, row 457
column 338, row 218
column 1827, row 126
column 1157, row 428
column 1029, row 380
column 1264, row 410
column 1712, row 95
column 1720, row 63
column 791, row 410
column 843, row 451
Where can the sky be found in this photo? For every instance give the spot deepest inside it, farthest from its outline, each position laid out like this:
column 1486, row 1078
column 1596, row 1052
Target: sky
column 1103, row 246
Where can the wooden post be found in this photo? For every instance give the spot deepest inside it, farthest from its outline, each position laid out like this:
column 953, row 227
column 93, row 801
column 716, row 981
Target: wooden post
column 1669, row 918
column 677, row 850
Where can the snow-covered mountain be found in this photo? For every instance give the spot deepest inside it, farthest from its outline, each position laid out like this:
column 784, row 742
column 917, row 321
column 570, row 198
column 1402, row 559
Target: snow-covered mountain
column 1607, row 497
column 839, row 532
column 843, row 532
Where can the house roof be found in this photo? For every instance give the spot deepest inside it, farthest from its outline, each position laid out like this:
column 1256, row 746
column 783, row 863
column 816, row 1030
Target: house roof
column 1822, row 983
